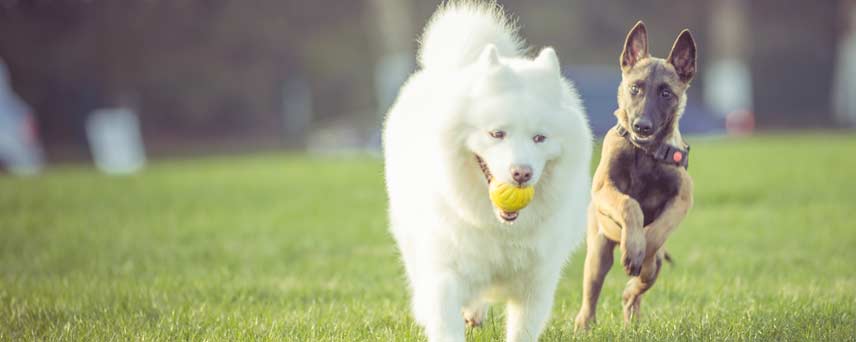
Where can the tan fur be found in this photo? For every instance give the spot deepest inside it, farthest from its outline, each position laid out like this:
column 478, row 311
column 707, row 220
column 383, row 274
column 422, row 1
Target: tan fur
column 616, row 218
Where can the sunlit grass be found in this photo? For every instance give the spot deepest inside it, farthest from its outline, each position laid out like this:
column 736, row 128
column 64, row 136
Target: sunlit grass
column 296, row 248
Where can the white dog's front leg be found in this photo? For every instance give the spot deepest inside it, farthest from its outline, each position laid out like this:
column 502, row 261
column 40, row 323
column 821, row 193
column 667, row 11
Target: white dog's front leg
column 438, row 303
column 528, row 313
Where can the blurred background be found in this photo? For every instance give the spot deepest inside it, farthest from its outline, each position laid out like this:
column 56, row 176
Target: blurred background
column 119, row 82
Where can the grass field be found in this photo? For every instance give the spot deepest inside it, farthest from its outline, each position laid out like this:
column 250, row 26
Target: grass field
column 294, row 248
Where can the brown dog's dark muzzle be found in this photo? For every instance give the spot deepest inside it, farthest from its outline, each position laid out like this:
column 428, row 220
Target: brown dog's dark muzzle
column 643, row 126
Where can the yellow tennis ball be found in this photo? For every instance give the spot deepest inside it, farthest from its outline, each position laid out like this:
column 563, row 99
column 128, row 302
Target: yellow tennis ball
column 510, row 198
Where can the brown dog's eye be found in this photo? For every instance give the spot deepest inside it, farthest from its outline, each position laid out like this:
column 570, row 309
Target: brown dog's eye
column 665, row 94
column 634, row 90
column 539, row 138
column 497, row 134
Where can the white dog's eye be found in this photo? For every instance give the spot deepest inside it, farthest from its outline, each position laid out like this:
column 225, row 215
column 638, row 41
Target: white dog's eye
column 497, row 134
column 539, row 138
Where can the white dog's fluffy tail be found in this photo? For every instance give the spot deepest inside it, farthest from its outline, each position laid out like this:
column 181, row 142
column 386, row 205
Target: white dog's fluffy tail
column 459, row 31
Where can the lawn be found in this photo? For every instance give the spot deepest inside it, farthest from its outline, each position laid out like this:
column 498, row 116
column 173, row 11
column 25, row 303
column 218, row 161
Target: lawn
column 284, row 247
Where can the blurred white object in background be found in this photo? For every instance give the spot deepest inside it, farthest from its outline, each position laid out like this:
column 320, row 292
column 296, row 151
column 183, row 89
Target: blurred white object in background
column 115, row 140
column 844, row 94
column 728, row 78
column 728, row 86
column 729, row 93
column 394, row 19
column 297, row 111
column 391, row 71
column 20, row 150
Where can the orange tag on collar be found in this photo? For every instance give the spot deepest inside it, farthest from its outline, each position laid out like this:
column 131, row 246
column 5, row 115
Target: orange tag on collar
column 677, row 156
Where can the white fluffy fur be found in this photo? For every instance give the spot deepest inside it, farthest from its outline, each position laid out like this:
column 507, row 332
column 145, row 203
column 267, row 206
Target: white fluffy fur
column 457, row 33
column 457, row 253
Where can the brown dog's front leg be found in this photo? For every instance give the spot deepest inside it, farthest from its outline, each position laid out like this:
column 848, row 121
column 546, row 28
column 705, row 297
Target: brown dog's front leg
column 627, row 213
column 623, row 211
column 633, row 240
column 633, row 247
column 599, row 250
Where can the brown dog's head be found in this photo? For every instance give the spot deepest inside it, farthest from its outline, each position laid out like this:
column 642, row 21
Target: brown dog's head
column 652, row 94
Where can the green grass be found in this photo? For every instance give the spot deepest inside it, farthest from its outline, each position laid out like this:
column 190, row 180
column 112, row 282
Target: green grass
column 296, row 248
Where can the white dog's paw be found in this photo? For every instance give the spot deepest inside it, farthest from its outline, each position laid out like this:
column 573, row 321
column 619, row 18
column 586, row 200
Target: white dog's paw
column 475, row 315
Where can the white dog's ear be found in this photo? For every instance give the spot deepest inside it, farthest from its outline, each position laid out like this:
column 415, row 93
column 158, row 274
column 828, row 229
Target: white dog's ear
column 548, row 60
column 496, row 75
column 489, row 56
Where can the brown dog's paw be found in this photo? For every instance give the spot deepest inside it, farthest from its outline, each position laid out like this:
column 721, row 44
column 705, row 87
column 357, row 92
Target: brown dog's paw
column 583, row 323
column 633, row 251
column 630, row 304
column 632, row 265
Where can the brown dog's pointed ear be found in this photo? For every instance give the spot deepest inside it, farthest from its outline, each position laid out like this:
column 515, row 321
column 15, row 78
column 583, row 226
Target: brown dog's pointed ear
column 683, row 56
column 635, row 46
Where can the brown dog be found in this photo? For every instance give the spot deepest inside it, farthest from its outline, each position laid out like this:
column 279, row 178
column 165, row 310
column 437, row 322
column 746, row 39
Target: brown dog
column 641, row 190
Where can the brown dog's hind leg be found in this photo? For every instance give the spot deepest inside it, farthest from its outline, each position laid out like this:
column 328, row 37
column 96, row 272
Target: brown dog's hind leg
column 599, row 258
column 638, row 285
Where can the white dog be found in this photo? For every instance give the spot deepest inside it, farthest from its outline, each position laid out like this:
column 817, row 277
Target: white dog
column 478, row 109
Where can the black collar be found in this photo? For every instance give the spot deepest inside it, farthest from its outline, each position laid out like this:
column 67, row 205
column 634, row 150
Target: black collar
column 664, row 153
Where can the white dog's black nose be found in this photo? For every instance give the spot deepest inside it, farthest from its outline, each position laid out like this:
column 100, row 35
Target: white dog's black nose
column 521, row 173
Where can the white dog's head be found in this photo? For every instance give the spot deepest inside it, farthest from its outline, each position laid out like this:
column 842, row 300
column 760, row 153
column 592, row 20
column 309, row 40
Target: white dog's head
column 516, row 120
